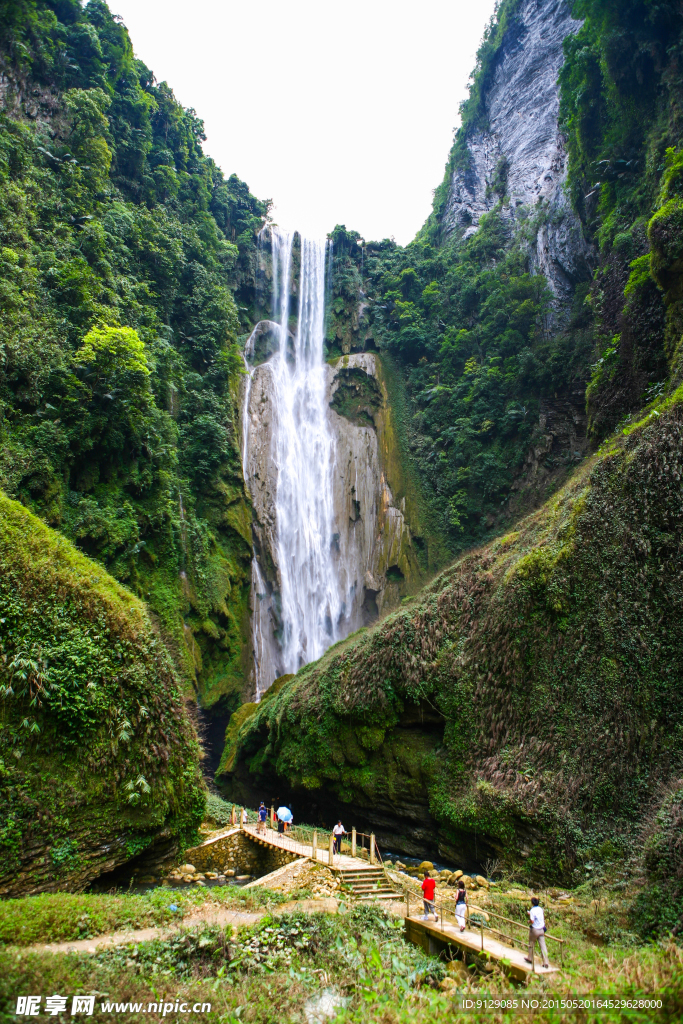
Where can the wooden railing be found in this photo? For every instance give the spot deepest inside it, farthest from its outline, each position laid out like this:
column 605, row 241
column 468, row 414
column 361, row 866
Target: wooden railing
column 476, row 917
column 321, row 841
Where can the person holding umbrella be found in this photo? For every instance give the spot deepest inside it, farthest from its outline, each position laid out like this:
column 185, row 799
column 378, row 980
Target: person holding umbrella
column 284, row 815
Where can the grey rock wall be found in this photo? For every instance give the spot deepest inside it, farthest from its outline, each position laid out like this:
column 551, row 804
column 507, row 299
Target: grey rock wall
column 522, row 106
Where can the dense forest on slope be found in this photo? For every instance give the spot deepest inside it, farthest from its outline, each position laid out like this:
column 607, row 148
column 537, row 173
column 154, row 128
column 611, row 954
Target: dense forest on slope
column 126, row 273
column 476, row 334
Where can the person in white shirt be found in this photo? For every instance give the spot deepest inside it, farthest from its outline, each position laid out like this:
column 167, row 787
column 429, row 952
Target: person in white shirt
column 339, row 831
column 537, row 932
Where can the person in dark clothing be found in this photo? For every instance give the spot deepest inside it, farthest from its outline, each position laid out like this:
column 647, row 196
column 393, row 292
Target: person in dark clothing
column 281, row 826
column 262, row 815
column 461, row 905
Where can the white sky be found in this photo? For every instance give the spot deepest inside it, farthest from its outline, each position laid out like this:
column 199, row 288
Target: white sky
column 341, row 112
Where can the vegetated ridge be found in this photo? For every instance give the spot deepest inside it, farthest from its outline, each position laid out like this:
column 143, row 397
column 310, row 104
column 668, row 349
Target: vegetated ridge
column 511, row 379
column 98, row 758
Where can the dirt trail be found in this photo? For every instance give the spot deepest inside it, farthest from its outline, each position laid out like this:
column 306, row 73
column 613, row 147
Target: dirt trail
column 210, row 915
column 97, row 942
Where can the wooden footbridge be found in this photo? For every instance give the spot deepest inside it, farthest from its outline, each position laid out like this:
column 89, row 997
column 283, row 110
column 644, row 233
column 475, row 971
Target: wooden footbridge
column 359, row 863
column 480, row 937
column 363, row 876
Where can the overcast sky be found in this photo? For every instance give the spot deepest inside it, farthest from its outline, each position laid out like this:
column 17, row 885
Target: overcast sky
column 341, row 112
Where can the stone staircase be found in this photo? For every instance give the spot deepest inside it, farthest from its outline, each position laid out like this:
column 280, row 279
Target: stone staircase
column 368, row 884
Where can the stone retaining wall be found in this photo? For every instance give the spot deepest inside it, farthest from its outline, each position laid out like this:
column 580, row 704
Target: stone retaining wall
column 237, row 851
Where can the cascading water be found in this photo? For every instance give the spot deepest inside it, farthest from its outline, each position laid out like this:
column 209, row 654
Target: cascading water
column 309, row 606
column 329, row 538
column 304, row 455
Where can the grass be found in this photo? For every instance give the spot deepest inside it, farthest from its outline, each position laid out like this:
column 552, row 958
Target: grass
column 66, row 917
column 267, row 973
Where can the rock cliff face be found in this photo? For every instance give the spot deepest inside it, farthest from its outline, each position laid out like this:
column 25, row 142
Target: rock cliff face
column 375, row 558
column 521, row 154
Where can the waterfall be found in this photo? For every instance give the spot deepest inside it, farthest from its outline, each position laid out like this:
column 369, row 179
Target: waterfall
column 330, row 541
column 307, row 612
column 304, row 455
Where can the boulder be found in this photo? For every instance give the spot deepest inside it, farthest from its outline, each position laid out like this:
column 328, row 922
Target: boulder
column 483, row 882
column 188, row 869
column 425, row 866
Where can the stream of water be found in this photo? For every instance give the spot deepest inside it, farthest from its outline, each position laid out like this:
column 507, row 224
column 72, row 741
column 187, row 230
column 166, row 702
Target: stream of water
column 311, row 607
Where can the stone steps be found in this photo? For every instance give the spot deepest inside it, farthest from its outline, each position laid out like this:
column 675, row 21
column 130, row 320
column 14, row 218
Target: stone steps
column 368, row 884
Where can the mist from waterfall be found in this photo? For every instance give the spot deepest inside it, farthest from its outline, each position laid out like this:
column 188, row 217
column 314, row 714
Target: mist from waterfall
column 309, row 608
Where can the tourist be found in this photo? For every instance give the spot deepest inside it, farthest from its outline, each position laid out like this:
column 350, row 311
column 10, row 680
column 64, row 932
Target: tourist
column 280, row 826
column 245, row 817
column 537, row 930
column 428, row 887
column 461, row 905
column 339, row 831
column 262, row 815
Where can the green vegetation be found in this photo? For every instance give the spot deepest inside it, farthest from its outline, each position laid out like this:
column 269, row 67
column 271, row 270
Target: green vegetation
column 278, row 969
column 121, row 246
column 97, row 754
column 464, row 324
column 620, row 102
column 218, row 812
column 66, row 917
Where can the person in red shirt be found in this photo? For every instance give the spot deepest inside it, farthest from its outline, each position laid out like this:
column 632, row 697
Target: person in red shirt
column 428, row 887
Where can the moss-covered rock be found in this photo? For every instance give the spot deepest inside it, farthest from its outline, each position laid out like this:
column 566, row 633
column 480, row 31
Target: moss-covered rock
column 98, row 757
column 527, row 704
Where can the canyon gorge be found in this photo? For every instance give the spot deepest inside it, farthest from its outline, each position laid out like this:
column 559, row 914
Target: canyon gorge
column 384, row 531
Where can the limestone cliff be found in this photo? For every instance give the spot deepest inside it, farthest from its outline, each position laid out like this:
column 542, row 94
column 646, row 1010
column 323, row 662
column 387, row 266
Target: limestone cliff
column 520, row 155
